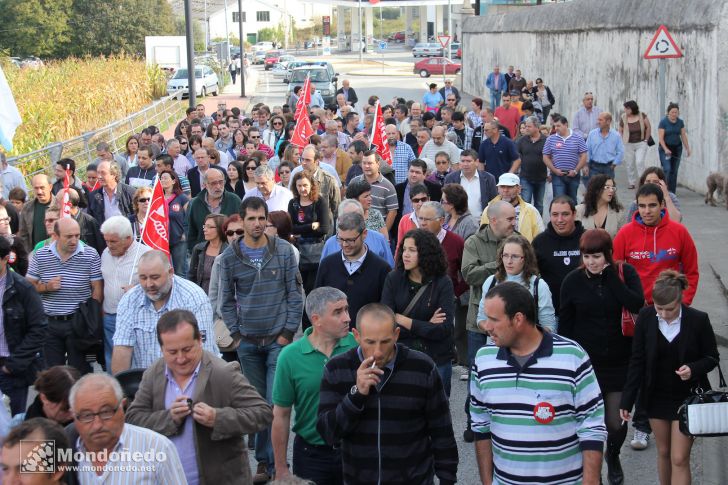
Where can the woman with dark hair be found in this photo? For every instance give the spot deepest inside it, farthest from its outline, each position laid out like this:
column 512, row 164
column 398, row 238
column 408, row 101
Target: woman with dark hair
column 516, row 261
column 421, row 295
column 473, row 116
column 214, row 155
column 234, row 184
column 361, row 191
column 284, row 173
column 140, row 203
column 655, row 175
column 428, row 120
column 204, row 253
column 674, row 349
column 311, row 223
column 459, row 219
column 238, row 146
column 279, row 225
column 184, row 145
column 543, row 95
column 195, row 143
column 432, row 100
column 212, row 131
column 53, row 386
column 131, row 148
column 672, row 138
column 177, row 203
column 592, row 298
column 248, row 174
column 635, row 129
column 600, row 209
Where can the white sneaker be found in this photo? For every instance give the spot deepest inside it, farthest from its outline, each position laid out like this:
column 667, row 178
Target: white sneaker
column 639, row 440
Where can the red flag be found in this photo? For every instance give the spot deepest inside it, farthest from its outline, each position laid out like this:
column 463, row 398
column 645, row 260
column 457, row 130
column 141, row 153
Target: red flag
column 155, row 233
column 304, row 99
column 302, row 132
column 66, row 196
column 379, row 136
column 374, row 2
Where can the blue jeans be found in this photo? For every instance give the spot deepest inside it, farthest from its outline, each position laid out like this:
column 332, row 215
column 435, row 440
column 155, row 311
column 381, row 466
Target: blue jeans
column 475, row 342
column 495, row 97
column 532, row 192
column 565, row 185
column 670, row 165
column 321, row 464
column 259, row 367
column 109, row 329
column 16, row 388
column 178, row 252
column 445, row 371
column 599, row 168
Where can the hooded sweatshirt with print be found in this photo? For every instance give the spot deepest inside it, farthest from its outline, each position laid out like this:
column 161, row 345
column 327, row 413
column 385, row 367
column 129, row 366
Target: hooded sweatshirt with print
column 653, row 249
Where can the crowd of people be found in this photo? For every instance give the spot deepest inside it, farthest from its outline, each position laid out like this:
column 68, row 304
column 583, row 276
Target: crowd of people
column 322, row 291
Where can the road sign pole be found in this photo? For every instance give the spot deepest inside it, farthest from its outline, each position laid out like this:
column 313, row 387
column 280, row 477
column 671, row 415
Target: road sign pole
column 661, row 85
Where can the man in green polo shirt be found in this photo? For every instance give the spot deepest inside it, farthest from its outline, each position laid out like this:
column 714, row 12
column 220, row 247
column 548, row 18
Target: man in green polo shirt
column 298, row 379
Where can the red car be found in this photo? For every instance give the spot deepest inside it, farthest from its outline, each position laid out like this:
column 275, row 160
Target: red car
column 433, row 65
column 271, row 58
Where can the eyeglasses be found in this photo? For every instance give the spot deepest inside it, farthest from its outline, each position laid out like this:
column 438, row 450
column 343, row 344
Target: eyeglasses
column 610, row 187
column 215, row 182
column 512, row 257
column 207, row 226
column 183, row 143
column 254, row 137
column 104, row 414
column 343, row 241
column 250, row 168
column 143, row 200
column 277, row 123
column 238, row 232
column 420, row 199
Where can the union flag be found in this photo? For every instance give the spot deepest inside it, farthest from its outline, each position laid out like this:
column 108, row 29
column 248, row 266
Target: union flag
column 155, row 233
column 379, row 136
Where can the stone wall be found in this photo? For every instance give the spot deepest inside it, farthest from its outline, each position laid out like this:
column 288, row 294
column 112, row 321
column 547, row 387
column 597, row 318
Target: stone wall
column 597, row 46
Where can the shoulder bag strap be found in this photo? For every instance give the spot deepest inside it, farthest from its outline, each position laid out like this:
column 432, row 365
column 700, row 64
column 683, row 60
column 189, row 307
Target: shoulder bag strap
column 414, row 300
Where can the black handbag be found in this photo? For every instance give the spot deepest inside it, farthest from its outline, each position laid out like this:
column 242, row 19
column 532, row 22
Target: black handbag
column 705, row 413
column 88, row 326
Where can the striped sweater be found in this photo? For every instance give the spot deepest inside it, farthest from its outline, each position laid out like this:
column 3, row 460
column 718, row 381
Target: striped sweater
column 400, row 435
column 540, row 417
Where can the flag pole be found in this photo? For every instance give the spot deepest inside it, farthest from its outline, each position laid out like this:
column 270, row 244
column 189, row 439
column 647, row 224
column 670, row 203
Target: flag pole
column 374, row 124
column 141, row 230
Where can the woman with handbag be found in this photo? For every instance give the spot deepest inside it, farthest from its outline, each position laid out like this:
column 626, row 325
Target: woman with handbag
column 593, row 297
column 636, row 131
column 674, row 349
column 516, row 261
column 311, row 223
column 420, row 293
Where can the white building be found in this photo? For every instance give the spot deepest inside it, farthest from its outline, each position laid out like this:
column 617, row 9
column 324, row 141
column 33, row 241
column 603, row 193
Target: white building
column 259, row 14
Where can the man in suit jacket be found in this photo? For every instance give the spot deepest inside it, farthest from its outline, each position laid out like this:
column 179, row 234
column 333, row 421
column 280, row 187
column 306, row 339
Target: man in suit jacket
column 348, row 92
column 415, row 176
column 479, row 184
column 202, row 165
column 202, row 403
column 112, row 192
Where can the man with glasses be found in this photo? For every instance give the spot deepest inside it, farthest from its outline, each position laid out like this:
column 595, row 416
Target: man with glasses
column 586, row 119
column 255, row 137
column 208, row 432
column 202, row 166
column 275, row 196
column 97, row 402
column 605, row 148
column 32, row 229
column 214, row 199
column 450, row 91
column 415, row 176
column 355, row 270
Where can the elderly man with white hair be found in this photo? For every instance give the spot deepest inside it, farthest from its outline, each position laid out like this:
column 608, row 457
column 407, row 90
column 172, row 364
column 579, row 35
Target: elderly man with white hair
column 117, row 268
column 275, row 196
column 147, row 457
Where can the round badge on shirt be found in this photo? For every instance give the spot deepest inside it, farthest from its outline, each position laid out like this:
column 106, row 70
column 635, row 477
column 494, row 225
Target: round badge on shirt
column 544, row 412
column 175, row 207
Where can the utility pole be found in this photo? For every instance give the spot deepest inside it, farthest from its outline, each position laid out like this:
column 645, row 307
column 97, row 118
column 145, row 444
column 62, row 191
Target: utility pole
column 242, row 48
column 190, row 54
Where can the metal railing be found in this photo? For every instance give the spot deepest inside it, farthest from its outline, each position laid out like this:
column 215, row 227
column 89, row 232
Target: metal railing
column 82, row 149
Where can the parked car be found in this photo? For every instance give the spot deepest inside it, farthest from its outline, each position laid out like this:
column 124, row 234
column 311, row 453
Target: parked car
column 259, row 57
column 397, row 37
column 427, row 49
column 455, row 50
column 321, row 77
column 434, row 65
column 459, row 54
column 280, row 70
column 205, row 82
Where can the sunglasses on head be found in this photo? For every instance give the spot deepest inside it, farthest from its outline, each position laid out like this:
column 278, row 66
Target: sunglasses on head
column 238, row 232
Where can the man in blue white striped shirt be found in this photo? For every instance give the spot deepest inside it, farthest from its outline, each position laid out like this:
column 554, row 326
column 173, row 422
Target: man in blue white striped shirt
column 536, row 407
column 66, row 273
column 565, row 153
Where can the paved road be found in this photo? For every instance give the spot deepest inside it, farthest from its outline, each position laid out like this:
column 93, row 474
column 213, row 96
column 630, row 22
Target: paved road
column 708, row 227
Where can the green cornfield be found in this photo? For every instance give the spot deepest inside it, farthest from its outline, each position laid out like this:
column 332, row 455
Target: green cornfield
column 66, row 98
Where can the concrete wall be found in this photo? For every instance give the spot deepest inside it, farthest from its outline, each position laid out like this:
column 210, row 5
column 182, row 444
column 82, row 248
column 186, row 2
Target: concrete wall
column 593, row 45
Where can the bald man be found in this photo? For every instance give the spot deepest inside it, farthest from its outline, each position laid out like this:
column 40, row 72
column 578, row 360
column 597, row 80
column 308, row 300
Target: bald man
column 32, row 229
column 348, row 92
column 402, row 153
column 439, row 143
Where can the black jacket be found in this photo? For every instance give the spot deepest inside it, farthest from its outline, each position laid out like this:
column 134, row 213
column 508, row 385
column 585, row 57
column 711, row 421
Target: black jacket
column 454, row 91
column 25, row 326
column 90, row 231
column 557, row 256
column 399, row 435
column 196, row 271
column 488, row 186
column 436, row 340
column 434, row 190
column 193, row 175
column 124, row 194
column 362, row 287
column 353, row 99
column 697, row 348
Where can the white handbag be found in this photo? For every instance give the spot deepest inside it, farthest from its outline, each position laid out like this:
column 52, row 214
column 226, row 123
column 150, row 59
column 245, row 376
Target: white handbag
column 705, row 413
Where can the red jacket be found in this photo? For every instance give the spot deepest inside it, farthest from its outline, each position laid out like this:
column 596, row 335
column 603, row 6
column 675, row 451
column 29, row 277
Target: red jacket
column 653, row 249
column 454, row 246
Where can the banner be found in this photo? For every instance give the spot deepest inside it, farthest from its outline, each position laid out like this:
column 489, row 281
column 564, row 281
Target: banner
column 155, row 233
column 379, row 136
column 9, row 115
column 303, row 130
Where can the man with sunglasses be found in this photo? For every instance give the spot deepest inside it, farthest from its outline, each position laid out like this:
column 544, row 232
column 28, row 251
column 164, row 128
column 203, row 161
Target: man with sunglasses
column 450, row 90
column 255, row 137
column 99, row 431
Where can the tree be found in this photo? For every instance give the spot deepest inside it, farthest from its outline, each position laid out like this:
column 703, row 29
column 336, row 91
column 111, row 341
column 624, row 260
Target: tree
column 34, row 28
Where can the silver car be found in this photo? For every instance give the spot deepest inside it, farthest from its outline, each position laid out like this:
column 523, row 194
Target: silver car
column 427, row 49
column 206, row 82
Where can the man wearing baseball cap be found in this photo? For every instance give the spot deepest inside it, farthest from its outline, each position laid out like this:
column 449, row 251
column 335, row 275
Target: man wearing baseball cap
column 528, row 221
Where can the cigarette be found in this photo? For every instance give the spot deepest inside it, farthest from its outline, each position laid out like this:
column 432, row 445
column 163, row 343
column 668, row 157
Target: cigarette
column 624, row 422
column 374, row 363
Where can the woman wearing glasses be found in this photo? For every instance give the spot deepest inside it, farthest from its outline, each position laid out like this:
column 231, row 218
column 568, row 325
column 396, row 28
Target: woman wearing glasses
column 248, row 174
column 176, row 202
column 420, row 293
column 204, row 253
column 516, row 261
column 543, row 95
column 272, row 135
column 140, row 204
column 600, row 209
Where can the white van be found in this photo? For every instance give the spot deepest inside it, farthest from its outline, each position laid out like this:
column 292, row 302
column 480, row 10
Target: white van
column 263, row 46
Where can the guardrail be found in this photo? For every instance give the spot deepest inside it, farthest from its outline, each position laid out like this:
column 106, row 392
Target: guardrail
column 82, row 149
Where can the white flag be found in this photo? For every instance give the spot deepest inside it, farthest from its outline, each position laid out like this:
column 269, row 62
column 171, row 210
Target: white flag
column 9, row 115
